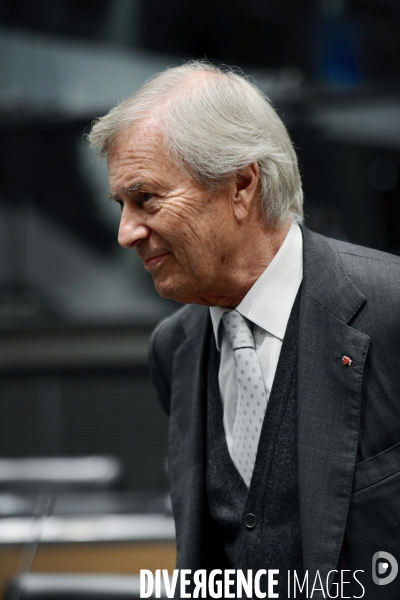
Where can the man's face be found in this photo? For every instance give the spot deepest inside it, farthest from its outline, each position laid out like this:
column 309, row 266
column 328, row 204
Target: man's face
column 184, row 236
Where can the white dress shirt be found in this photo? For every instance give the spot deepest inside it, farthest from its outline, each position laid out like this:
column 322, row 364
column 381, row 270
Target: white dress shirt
column 267, row 305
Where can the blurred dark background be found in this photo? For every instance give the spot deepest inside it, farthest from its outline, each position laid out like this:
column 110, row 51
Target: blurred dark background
column 76, row 310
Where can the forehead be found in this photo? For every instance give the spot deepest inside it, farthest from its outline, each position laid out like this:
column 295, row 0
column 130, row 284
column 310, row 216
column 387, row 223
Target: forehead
column 136, row 143
column 138, row 150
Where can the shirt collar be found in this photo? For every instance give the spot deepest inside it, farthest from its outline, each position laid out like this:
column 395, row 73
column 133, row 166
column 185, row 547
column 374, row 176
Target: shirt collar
column 269, row 302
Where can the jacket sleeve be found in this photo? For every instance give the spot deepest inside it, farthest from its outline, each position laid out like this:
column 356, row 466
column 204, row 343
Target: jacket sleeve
column 158, row 367
column 165, row 340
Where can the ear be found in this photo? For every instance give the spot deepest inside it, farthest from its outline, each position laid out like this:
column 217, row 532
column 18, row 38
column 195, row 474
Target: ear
column 246, row 188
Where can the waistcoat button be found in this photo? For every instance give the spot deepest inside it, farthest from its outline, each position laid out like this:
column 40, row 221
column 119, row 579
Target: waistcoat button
column 250, row 521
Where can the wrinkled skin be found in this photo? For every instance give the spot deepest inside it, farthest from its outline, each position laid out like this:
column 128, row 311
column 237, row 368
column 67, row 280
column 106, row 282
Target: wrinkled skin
column 199, row 248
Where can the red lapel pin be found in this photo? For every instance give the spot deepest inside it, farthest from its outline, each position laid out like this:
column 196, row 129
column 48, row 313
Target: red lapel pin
column 347, row 361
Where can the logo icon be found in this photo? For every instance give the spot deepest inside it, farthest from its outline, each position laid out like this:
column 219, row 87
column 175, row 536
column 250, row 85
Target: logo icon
column 384, row 568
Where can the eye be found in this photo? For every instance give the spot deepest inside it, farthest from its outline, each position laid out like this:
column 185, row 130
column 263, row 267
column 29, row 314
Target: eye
column 145, row 196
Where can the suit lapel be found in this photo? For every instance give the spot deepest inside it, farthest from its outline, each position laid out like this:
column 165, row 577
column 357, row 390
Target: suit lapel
column 187, row 433
column 329, row 401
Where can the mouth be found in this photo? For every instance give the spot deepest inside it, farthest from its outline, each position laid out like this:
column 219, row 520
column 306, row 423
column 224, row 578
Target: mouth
column 153, row 261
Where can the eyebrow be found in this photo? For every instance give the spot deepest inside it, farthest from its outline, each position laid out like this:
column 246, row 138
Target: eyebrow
column 126, row 190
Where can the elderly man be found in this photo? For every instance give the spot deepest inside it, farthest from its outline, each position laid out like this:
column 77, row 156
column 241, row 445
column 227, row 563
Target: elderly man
column 281, row 377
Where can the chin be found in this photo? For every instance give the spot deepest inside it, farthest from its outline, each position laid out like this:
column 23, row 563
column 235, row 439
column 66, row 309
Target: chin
column 169, row 291
column 179, row 292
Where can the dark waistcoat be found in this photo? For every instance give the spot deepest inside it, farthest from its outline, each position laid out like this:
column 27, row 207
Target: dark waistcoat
column 259, row 527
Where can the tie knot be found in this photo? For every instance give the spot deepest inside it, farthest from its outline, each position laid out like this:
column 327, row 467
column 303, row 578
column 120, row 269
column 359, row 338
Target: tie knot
column 237, row 330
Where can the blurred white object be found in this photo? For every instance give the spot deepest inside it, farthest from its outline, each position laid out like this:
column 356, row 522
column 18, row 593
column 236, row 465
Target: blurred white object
column 51, row 473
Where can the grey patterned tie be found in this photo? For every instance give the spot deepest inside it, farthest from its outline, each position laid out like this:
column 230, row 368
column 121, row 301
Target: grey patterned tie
column 252, row 399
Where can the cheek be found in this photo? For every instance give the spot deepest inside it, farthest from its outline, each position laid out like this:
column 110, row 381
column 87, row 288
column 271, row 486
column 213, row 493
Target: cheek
column 199, row 242
column 189, row 242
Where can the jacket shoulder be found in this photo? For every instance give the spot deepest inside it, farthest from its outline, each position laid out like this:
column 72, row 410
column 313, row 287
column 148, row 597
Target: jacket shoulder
column 372, row 271
column 342, row 276
column 377, row 275
column 168, row 335
column 346, row 249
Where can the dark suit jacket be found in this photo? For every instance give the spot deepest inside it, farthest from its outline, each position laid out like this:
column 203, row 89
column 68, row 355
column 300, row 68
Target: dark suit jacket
column 348, row 416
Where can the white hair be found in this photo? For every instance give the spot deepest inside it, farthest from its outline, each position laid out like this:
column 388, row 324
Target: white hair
column 214, row 123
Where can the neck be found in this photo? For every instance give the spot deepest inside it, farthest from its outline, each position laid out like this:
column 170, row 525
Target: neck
column 246, row 266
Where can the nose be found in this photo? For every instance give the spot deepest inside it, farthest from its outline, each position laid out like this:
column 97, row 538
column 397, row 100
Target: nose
column 132, row 229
